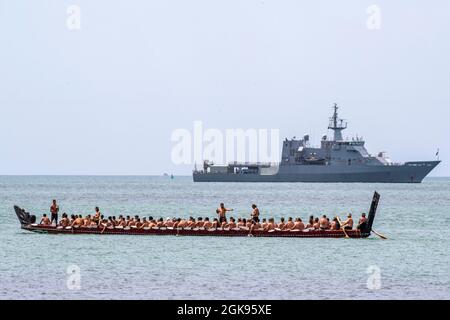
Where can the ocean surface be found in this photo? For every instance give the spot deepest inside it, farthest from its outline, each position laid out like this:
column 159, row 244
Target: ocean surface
column 414, row 263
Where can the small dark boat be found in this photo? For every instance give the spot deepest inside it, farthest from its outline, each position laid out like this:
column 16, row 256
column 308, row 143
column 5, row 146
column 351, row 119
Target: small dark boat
column 28, row 222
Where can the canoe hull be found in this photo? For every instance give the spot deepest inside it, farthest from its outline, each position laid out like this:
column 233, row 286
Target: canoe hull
column 197, row 232
column 27, row 222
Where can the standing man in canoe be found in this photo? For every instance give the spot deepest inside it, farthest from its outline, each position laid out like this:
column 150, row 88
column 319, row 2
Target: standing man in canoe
column 97, row 215
column 255, row 213
column 54, row 209
column 221, row 212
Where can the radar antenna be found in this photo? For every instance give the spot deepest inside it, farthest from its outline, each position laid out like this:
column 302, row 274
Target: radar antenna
column 336, row 124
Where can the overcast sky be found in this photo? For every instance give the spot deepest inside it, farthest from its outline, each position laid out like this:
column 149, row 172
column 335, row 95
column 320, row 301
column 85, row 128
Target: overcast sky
column 106, row 98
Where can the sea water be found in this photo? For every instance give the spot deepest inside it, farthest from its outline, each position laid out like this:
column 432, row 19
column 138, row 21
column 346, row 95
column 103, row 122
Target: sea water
column 412, row 264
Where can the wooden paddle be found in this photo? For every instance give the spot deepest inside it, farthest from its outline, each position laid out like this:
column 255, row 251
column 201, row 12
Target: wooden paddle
column 339, row 220
column 379, row 234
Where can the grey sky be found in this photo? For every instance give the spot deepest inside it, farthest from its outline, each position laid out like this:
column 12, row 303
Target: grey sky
column 105, row 99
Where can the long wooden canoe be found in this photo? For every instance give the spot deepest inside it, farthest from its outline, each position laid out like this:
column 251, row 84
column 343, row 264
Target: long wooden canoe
column 28, row 222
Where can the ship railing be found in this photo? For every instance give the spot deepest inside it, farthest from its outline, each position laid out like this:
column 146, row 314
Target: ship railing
column 261, row 164
column 394, row 163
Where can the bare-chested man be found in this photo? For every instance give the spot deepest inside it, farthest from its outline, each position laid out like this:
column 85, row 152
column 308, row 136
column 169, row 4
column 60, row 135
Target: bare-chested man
column 245, row 224
column 152, row 223
column 271, row 225
column 289, row 224
column 324, row 223
column 191, row 222
column 122, row 222
column 182, row 223
column 177, row 221
column 169, row 223
column 160, row 223
column 282, row 224
column 310, row 223
column 103, row 222
column 144, row 223
column 45, row 220
column 138, row 223
column 316, row 224
column 54, row 209
column 87, row 221
column 348, row 224
column 255, row 213
column 97, row 215
column 221, row 212
column 200, row 223
column 115, row 221
column 362, row 221
column 215, row 224
column 64, row 220
column 264, row 223
column 207, row 224
column 231, row 224
column 78, row 222
column 335, row 225
column 298, row 225
column 131, row 222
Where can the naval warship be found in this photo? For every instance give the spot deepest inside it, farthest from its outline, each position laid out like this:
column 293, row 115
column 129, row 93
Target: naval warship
column 336, row 160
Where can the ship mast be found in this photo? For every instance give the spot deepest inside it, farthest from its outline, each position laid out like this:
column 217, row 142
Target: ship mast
column 337, row 125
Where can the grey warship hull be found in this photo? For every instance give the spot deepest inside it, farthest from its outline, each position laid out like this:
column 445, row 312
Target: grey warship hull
column 410, row 172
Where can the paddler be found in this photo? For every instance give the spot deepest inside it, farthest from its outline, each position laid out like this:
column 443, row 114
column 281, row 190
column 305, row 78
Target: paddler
column 324, row 223
column 316, row 224
column 169, row 222
column 335, row 224
column 231, row 224
column 264, row 223
column 348, row 224
column 87, row 221
column 282, row 224
column 362, row 221
column 289, row 225
column 310, row 223
column 208, row 224
column 64, row 221
column 77, row 222
column 200, row 223
column 298, row 225
column 215, row 224
column 271, row 225
column 45, row 220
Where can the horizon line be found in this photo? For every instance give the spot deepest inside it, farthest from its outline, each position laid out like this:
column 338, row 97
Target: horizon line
column 125, row 175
